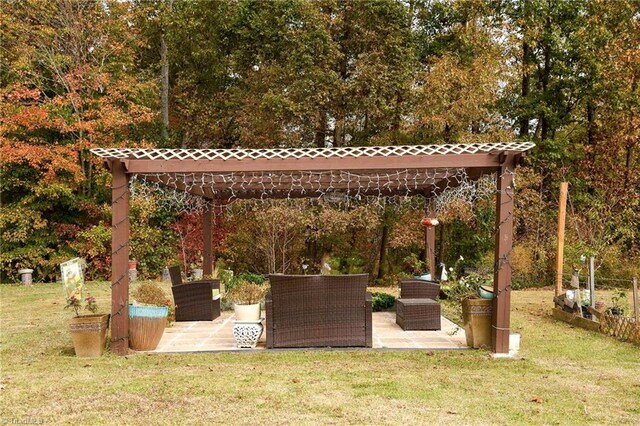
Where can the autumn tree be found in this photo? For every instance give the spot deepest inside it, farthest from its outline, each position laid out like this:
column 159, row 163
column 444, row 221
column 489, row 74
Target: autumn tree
column 68, row 85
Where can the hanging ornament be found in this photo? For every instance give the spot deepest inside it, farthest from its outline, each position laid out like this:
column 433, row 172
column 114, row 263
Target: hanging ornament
column 430, row 221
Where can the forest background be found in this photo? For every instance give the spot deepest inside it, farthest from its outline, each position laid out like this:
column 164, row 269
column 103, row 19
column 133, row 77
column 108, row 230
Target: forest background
column 289, row 73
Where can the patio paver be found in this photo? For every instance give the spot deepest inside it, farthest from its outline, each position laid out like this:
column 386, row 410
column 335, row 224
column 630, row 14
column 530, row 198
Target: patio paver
column 217, row 335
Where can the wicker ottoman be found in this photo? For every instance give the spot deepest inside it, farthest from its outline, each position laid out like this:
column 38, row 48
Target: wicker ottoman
column 418, row 314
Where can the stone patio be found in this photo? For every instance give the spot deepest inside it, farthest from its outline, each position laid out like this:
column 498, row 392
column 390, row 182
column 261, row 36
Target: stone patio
column 207, row 336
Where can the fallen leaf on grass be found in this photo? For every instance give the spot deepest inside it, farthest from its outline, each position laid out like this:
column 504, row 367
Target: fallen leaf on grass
column 452, row 412
column 537, row 400
column 295, row 380
column 87, row 365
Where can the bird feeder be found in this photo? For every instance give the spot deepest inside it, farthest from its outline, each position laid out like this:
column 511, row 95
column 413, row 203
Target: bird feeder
column 430, row 221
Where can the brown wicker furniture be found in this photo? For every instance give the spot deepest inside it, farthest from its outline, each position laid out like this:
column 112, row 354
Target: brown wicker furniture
column 318, row 311
column 194, row 300
column 417, row 307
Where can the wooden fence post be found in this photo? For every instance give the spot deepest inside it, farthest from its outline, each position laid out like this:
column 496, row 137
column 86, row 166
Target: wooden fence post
column 564, row 188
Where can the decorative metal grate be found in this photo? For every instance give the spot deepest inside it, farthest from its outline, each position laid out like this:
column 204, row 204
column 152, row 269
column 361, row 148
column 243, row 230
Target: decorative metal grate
column 287, row 153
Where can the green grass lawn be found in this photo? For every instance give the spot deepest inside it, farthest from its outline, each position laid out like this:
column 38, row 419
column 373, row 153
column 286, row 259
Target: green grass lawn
column 565, row 376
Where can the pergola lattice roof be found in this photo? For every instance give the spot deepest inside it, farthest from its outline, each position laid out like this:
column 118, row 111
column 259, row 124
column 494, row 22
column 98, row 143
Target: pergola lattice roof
column 310, row 172
column 287, row 153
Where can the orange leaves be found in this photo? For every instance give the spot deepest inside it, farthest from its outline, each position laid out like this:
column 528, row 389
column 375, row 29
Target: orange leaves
column 49, row 160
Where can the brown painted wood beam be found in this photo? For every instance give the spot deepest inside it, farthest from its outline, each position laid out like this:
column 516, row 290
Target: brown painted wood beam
column 207, row 233
column 501, row 315
column 317, row 164
column 119, row 259
column 430, row 242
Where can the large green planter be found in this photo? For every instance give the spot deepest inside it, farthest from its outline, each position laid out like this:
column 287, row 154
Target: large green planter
column 146, row 326
column 476, row 316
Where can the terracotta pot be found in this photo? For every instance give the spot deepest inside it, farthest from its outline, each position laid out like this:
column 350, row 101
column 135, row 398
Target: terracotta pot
column 476, row 316
column 247, row 312
column 146, row 326
column 89, row 334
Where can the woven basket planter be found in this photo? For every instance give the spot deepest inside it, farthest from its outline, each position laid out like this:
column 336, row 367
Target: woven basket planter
column 476, row 316
column 146, row 326
column 89, row 334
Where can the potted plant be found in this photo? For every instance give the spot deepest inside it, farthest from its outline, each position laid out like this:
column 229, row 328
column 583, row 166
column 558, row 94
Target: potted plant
column 197, row 273
column 618, row 302
column 246, row 297
column 418, row 267
column 88, row 332
column 147, row 316
column 473, row 294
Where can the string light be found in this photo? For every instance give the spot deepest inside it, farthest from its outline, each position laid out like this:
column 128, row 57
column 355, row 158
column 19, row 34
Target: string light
column 408, row 187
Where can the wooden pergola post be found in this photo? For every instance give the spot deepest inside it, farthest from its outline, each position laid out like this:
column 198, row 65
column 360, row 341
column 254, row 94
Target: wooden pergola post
column 207, row 234
column 119, row 258
column 501, row 316
column 430, row 242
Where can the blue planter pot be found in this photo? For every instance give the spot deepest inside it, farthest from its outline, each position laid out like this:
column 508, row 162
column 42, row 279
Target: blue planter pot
column 146, row 326
column 424, row 277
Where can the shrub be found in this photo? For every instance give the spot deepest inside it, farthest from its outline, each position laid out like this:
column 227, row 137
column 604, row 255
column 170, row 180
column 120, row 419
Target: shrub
column 230, row 282
column 246, row 293
column 382, row 301
column 149, row 293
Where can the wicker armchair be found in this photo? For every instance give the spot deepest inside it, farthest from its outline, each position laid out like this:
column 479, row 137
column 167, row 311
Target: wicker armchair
column 417, row 307
column 419, row 289
column 194, row 300
column 318, row 311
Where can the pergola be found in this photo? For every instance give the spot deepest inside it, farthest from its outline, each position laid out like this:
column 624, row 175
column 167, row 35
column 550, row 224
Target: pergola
column 229, row 174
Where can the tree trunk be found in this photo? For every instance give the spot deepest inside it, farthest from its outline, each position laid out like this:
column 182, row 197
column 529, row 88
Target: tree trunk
column 591, row 129
column 321, row 129
column 164, row 80
column 544, row 119
column 631, row 143
column 383, row 266
column 164, row 88
column 524, row 117
column 628, row 162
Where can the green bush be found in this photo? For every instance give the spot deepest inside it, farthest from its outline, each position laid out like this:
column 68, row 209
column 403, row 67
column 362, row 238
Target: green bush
column 231, row 282
column 382, row 301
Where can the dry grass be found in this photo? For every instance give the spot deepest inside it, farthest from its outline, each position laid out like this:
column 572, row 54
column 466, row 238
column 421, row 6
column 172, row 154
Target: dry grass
column 565, row 376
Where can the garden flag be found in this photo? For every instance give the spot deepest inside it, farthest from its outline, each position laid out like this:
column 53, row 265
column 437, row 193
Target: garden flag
column 72, row 277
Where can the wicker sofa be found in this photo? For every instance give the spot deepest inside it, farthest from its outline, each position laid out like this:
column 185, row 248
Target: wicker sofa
column 194, row 300
column 318, row 311
column 418, row 308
